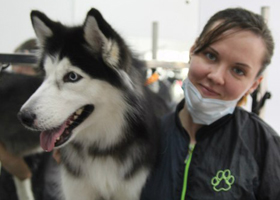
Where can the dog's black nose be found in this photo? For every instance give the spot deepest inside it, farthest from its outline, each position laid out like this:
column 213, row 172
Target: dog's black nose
column 26, row 118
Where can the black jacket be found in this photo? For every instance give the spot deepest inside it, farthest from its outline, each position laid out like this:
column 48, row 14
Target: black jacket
column 236, row 157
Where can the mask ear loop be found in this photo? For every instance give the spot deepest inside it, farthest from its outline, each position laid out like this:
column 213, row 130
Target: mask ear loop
column 243, row 100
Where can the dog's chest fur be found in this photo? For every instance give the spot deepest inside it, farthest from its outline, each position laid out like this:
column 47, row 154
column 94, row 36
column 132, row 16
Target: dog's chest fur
column 106, row 176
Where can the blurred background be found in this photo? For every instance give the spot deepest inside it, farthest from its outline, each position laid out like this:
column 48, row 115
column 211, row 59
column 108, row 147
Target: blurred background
column 177, row 24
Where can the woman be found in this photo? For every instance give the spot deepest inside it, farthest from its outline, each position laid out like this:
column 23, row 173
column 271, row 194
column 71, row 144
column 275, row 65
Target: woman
column 210, row 148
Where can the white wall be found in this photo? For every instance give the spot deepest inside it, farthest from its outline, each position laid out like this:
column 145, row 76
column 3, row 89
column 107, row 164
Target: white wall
column 15, row 24
column 131, row 18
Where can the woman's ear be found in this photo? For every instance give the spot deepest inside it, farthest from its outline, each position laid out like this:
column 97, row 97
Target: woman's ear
column 243, row 100
column 255, row 85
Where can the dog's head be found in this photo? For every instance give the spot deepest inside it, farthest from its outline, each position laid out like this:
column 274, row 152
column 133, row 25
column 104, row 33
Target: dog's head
column 87, row 69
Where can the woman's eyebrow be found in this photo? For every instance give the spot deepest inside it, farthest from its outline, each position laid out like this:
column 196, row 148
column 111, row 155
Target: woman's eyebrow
column 243, row 65
column 212, row 49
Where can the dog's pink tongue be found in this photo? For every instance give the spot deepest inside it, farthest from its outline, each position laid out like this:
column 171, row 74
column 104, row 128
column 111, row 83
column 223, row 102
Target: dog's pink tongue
column 48, row 138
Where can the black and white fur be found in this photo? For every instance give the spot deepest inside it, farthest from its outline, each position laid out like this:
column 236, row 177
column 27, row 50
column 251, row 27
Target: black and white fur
column 90, row 69
column 15, row 89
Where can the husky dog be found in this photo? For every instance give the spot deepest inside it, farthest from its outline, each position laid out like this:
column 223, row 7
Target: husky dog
column 15, row 89
column 94, row 107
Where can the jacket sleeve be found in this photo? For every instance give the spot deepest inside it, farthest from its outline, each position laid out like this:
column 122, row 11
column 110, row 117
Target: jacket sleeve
column 269, row 188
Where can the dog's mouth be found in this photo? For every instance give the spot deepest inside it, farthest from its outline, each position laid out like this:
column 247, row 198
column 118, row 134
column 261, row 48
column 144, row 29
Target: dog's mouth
column 59, row 135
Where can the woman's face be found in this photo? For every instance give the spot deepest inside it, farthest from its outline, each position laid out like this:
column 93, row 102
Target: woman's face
column 227, row 69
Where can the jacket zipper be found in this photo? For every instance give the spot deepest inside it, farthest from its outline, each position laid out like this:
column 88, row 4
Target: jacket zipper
column 187, row 162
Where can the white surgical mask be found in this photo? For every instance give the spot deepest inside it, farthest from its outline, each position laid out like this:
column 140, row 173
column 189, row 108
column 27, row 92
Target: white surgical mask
column 205, row 110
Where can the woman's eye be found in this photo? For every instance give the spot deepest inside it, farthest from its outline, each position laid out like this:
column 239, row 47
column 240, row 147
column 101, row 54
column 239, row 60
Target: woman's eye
column 238, row 71
column 210, row 56
column 71, row 77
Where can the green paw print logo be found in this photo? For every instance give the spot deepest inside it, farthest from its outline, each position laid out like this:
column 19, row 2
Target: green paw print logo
column 222, row 181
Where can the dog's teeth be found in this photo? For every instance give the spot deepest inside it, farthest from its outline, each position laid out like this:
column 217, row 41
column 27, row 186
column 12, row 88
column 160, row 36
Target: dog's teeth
column 78, row 112
column 75, row 116
column 58, row 138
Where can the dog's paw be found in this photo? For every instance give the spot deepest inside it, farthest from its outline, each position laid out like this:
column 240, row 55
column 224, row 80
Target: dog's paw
column 222, row 181
column 24, row 189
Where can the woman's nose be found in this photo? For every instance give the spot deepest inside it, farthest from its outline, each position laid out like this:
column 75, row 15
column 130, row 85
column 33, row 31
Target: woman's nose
column 217, row 75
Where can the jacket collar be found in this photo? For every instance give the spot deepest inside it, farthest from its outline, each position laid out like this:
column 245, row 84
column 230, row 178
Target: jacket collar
column 205, row 130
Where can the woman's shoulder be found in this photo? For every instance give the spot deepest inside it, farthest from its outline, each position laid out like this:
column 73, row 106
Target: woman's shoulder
column 258, row 136
column 254, row 123
column 168, row 123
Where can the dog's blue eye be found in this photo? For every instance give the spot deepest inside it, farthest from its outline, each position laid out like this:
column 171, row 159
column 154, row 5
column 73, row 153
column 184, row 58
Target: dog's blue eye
column 72, row 77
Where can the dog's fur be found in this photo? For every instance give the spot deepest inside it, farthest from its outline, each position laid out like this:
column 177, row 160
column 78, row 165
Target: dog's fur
column 111, row 147
column 15, row 89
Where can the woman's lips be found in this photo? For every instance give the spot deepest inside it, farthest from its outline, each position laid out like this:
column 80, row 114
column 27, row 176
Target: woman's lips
column 207, row 92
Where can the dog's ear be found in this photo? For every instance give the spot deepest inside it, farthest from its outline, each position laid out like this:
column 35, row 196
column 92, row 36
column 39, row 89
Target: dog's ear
column 101, row 38
column 42, row 26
